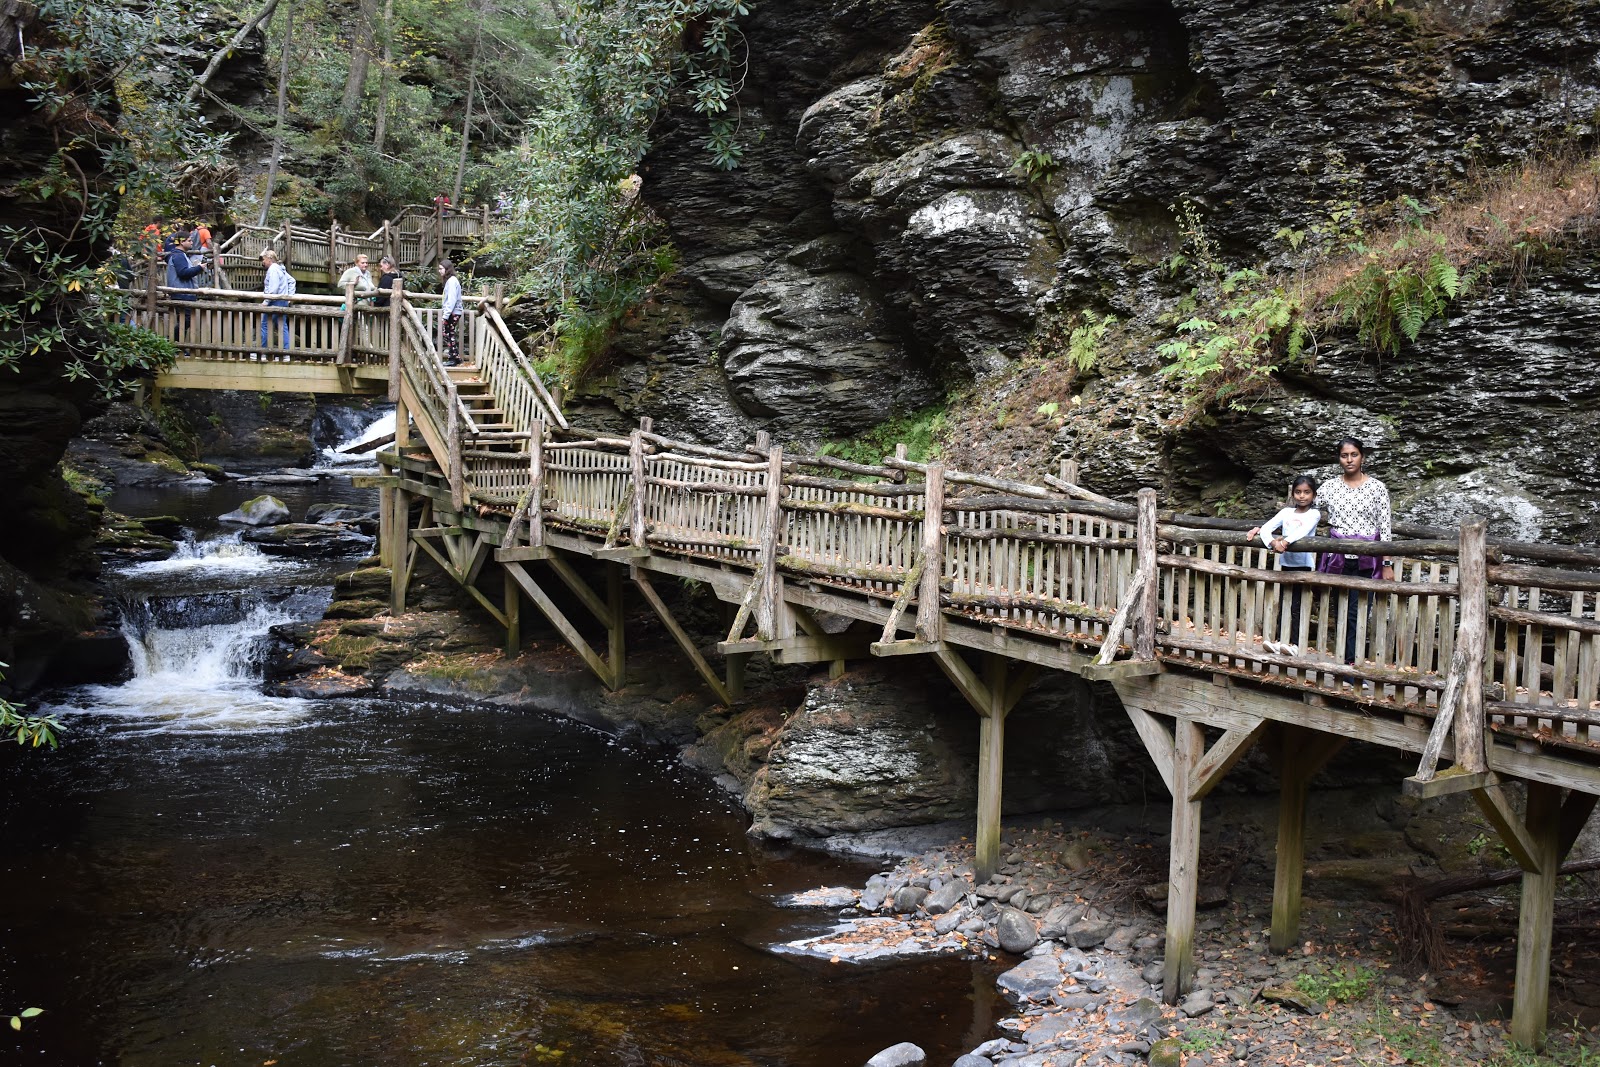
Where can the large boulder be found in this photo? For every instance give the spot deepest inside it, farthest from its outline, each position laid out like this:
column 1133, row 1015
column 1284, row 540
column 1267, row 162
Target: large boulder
column 264, row 510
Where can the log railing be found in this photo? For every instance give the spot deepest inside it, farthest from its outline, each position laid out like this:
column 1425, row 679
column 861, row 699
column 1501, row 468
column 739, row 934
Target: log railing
column 1518, row 657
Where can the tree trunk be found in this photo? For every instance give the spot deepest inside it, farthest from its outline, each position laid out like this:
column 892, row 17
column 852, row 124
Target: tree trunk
column 380, row 125
column 283, row 107
column 466, row 122
column 199, row 84
column 355, row 86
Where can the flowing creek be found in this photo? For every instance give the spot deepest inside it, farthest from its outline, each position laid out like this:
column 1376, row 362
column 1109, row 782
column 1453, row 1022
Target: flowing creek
column 206, row 875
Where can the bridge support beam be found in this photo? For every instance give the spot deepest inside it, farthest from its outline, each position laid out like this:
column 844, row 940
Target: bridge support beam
column 1550, row 828
column 402, row 554
column 1190, row 771
column 609, row 669
column 1301, row 753
column 992, row 697
column 685, row 643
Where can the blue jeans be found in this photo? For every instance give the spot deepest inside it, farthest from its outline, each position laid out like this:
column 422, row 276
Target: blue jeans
column 283, row 325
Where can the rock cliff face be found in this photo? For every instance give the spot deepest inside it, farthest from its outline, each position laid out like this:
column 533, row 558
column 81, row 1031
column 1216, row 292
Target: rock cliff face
column 924, row 181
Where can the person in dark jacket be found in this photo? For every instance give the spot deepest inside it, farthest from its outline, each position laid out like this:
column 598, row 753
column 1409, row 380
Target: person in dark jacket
column 183, row 273
column 386, row 281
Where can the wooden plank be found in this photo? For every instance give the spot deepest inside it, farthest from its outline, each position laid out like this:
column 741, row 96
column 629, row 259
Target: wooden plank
column 1444, row 722
column 806, row 648
column 1451, row 780
column 1124, row 668
column 1119, row 622
column 906, row 648
column 684, row 642
column 523, row 554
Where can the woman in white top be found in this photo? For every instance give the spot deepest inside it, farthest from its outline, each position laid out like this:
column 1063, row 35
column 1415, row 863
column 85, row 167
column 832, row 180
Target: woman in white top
column 1292, row 523
column 357, row 276
column 1356, row 506
column 450, row 314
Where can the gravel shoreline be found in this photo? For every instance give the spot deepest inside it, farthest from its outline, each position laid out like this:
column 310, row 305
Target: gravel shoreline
column 1077, row 913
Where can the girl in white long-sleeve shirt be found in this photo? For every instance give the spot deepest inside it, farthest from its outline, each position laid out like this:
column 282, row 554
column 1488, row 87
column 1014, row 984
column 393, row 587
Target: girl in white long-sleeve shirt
column 450, row 313
column 1292, row 523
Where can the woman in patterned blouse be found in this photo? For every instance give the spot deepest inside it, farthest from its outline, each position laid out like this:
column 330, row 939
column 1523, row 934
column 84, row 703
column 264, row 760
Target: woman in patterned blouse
column 1355, row 506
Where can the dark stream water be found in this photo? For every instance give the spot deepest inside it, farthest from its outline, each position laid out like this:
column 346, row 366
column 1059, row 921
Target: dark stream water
column 204, row 875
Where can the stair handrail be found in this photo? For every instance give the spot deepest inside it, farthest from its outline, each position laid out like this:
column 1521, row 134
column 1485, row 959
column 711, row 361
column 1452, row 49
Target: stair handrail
column 545, row 401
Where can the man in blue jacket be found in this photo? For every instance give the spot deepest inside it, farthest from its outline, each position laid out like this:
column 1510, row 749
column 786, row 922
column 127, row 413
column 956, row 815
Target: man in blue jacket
column 183, row 274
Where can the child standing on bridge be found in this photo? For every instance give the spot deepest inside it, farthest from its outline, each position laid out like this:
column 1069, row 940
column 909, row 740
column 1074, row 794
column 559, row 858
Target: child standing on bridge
column 1292, row 523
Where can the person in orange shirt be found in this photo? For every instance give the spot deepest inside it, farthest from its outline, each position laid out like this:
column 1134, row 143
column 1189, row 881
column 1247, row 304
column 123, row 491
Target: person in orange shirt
column 202, row 236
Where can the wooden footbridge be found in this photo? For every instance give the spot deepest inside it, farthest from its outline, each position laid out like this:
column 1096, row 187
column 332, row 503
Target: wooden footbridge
column 1482, row 658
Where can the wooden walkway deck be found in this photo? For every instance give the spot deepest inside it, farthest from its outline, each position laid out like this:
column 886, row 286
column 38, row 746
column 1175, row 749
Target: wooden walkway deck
column 1482, row 655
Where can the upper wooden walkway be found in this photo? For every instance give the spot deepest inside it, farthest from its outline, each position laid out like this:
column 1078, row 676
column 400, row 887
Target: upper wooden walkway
column 1483, row 654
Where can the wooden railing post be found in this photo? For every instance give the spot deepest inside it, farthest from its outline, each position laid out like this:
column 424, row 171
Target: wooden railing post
column 347, row 336
column 458, row 493
column 636, row 530
column 333, row 250
column 1144, row 627
column 1471, row 639
column 438, row 230
column 766, row 607
column 930, row 617
column 397, row 296
column 536, row 492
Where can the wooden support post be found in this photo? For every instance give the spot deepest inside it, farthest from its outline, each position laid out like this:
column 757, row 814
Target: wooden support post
column 458, row 492
column 930, row 616
column 616, row 646
column 333, row 250
column 733, row 670
column 991, row 768
column 388, row 241
column 563, row 625
column 1183, row 865
column 636, row 526
column 1069, row 471
column 1301, row 754
column 385, row 526
column 1530, row 1010
column 512, row 595
column 402, row 423
column 1471, row 641
column 1144, row 625
column 766, row 606
column 536, row 483
column 438, row 230
column 347, row 329
column 500, row 298
column 400, row 550
column 151, row 279
column 396, row 308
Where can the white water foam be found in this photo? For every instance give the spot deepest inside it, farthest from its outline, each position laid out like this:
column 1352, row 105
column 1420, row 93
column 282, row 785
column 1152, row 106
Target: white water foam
column 226, row 555
column 338, row 456
column 197, row 679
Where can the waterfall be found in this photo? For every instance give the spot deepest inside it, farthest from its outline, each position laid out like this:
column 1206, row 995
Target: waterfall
column 197, row 655
column 352, row 427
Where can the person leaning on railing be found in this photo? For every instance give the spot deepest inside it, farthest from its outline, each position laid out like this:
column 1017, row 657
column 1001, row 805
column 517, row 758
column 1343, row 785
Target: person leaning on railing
column 278, row 283
column 1356, row 506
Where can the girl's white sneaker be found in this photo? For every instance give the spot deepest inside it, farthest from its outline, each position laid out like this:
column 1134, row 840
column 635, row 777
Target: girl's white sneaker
column 1272, row 646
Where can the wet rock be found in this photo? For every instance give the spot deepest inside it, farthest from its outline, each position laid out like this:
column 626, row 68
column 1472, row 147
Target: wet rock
column 905, row 1054
column 306, row 540
column 1087, row 933
column 1016, row 930
column 331, row 513
column 265, row 510
column 1197, row 1003
column 1168, row 1052
column 945, row 897
column 1033, row 979
column 971, row 1060
column 909, row 898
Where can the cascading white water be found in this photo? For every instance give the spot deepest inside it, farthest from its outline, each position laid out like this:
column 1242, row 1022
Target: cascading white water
column 377, row 429
column 197, row 656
